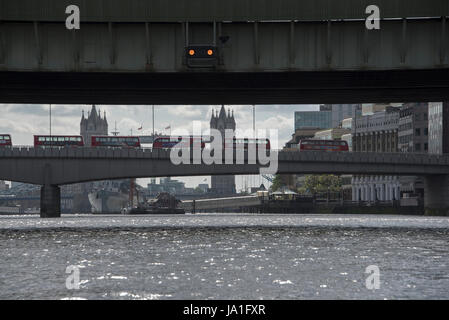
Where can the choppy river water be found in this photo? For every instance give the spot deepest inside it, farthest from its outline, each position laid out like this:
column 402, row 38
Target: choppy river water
column 224, row 256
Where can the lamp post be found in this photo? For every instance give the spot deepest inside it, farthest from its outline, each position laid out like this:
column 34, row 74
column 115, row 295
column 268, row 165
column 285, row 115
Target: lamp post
column 254, row 119
column 51, row 142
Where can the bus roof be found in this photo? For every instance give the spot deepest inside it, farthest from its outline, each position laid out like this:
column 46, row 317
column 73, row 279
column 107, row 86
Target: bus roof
column 322, row 141
column 115, row 136
column 56, row 135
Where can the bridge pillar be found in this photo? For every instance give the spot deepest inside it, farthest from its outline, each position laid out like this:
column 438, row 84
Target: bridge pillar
column 436, row 195
column 50, row 201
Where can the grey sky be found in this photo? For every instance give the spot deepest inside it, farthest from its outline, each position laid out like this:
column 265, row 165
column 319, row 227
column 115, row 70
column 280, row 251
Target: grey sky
column 23, row 121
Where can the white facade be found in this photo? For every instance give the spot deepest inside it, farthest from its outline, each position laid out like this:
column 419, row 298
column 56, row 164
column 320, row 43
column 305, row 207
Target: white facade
column 376, row 188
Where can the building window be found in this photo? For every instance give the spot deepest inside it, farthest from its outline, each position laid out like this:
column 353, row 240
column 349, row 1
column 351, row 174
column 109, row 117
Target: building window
column 426, row 146
column 426, row 131
column 417, row 132
column 417, row 147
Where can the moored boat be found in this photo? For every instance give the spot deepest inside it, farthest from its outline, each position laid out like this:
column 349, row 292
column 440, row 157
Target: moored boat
column 164, row 203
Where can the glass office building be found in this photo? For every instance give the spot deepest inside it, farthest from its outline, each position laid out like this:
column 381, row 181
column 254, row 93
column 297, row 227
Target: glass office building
column 313, row 120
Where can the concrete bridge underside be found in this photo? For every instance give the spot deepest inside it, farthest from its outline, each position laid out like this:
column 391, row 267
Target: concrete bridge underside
column 227, row 88
column 302, row 52
column 51, row 168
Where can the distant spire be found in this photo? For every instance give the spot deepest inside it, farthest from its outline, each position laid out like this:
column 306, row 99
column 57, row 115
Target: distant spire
column 93, row 111
column 222, row 112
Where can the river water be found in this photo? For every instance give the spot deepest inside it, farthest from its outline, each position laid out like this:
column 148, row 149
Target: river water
column 224, row 256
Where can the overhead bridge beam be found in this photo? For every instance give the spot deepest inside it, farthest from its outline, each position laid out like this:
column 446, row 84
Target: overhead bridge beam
column 216, row 10
column 227, row 88
column 256, row 46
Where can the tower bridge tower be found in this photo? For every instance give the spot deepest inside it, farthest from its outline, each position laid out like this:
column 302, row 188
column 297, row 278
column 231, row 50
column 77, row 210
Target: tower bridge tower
column 223, row 184
column 93, row 125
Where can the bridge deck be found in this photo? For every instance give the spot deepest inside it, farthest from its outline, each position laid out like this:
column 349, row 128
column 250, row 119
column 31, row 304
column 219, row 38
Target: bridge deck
column 71, row 165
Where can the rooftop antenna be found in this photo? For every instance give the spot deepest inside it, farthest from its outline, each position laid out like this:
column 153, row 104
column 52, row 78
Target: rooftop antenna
column 115, row 132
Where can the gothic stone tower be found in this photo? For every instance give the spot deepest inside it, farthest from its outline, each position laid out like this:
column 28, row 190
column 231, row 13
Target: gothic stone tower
column 223, row 184
column 93, row 125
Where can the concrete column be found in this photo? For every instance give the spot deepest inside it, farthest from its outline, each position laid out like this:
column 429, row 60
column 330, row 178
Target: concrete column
column 391, row 192
column 376, row 139
column 436, row 195
column 382, row 192
column 50, row 201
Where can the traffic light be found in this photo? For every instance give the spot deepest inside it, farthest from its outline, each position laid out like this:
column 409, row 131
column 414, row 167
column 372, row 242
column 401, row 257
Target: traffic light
column 201, row 56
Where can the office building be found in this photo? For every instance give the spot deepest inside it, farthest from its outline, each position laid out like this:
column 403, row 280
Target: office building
column 438, row 116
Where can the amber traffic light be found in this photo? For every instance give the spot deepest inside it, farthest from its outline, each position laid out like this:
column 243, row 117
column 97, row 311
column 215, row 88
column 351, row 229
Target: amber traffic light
column 201, row 56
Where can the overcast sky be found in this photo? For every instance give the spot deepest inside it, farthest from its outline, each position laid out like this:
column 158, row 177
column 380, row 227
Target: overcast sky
column 23, row 121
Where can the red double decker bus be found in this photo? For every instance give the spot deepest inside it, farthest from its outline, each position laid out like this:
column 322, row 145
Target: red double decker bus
column 5, row 140
column 115, row 141
column 246, row 143
column 323, row 145
column 59, row 141
column 177, row 142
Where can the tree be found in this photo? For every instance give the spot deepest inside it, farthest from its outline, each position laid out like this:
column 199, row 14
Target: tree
column 277, row 183
column 198, row 190
column 314, row 184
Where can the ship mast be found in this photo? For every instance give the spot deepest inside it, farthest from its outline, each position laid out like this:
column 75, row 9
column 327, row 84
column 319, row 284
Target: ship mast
column 115, row 132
